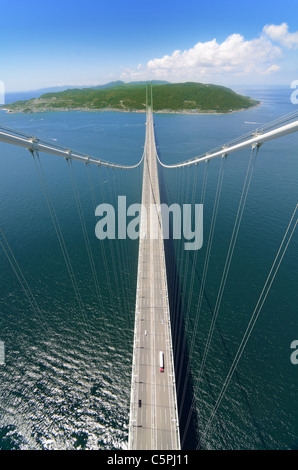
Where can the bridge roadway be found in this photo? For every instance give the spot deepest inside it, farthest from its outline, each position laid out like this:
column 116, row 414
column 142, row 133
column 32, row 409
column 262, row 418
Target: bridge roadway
column 153, row 409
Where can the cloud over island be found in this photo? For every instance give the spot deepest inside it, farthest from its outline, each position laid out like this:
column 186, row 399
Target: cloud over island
column 234, row 57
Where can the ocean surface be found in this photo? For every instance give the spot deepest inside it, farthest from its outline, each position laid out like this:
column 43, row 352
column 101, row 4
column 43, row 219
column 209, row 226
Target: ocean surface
column 67, row 299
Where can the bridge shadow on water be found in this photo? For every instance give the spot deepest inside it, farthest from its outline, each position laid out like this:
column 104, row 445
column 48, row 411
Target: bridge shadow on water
column 191, row 429
column 258, row 431
column 188, row 420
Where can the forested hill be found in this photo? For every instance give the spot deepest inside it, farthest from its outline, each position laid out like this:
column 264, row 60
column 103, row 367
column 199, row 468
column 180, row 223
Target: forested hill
column 167, row 97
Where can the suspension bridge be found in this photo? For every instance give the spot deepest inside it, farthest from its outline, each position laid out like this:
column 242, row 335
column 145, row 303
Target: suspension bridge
column 154, row 410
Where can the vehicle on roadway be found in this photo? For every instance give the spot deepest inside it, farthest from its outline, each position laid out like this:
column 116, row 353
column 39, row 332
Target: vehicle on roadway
column 161, row 361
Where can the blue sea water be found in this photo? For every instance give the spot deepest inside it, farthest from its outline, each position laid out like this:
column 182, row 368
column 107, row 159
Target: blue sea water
column 66, row 379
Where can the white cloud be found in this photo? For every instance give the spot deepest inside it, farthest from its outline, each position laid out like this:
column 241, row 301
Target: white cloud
column 272, row 69
column 280, row 33
column 235, row 56
column 234, row 53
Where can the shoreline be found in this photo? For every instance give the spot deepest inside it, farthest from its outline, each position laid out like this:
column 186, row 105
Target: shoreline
column 136, row 111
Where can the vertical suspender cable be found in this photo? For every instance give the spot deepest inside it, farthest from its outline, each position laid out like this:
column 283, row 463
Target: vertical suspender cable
column 207, row 257
column 22, row 280
column 104, row 256
column 187, row 292
column 230, row 253
column 194, row 330
column 262, row 298
column 85, row 232
column 59, row 234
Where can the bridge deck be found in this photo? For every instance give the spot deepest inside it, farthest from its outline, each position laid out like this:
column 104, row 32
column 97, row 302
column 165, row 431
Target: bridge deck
column 153, row 414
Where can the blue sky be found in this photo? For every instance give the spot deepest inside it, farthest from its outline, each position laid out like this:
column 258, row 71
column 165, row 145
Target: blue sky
column 64, row 42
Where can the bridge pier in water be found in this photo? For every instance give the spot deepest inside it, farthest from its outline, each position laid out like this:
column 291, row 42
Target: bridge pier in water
column 153, row 421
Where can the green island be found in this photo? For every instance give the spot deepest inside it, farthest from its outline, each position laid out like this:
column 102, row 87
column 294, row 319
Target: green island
column 187, row 97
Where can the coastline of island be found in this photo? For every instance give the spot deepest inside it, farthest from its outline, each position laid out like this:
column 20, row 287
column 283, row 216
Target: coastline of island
column 121, row 110
column 178, row 98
